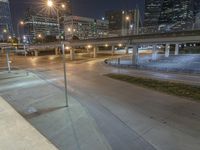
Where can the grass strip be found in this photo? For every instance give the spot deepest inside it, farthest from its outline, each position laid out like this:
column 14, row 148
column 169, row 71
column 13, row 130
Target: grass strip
column 169, row 87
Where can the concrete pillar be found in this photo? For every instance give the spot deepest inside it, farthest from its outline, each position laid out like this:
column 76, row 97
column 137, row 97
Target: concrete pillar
column 56, row 51
column 95, row 52
column 176, row 49
column 154, row 52
column 113, row 50
column 2, row 50
column 36, row 53
column 135, row 55
column 72, row 54
column 167, row 50
column 88, row 50
column 126, row 49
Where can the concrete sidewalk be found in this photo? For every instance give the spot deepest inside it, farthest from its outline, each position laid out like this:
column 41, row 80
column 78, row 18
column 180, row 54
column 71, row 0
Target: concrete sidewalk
column 17, row 133
column 13, row 74
column 43, row 105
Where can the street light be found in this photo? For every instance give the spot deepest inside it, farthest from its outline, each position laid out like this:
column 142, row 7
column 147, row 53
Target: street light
column 4, row 31
column 20, row 23
column 127, row 18
column 63, row 6
column 120, row 45
column 39, row 36
column 50, row 4
column 89, row 46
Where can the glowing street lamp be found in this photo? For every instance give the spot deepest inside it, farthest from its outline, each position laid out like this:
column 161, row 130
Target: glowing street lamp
column 20, row 23
column 63, row 6
column 120, row 45
column 10, row 37
column 89, row 46
column 50, row 3
column 4, row 31
column 69, row 29
column 67, row 48
column 127, row 18
column 39, row 36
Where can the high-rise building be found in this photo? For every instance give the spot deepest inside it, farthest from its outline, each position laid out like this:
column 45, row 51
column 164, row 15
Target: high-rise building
column 197, row 21
column 39, row 24
column 177, row 13
column 196, row 7
column 5, row 20
column 171, row 14
column 152, row 12
column 123, row 22
column 85, row 28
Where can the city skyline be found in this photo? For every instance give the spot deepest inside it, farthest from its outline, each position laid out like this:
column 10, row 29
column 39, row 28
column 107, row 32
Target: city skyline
column 87, row 8
column 6, row 26
column 172, row 14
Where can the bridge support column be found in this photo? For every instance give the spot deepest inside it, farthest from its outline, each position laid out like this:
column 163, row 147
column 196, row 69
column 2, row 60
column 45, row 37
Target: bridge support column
column 176, row 49
column 36, row 53
column 167, row 50
column 72, row 54
column 154, row 52
column 56, row 51
column 126, row 49
column 2, row 50
column 95, row 51
column 135, row 55
column 113, row 50
column 88, row 50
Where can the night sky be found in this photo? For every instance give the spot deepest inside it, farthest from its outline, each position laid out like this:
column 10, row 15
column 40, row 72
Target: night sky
column 87, row 8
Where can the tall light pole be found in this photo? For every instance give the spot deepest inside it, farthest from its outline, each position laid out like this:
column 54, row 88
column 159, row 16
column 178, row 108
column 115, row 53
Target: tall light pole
column 21, row 23
column 65, row 75
column 127, row 24
column 50, row 4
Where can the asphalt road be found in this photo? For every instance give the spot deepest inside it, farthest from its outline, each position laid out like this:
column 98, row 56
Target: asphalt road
column 130, row 117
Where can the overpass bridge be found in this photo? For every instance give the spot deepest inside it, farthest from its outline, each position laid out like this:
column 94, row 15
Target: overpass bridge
column 131, row 41
column 134, row 41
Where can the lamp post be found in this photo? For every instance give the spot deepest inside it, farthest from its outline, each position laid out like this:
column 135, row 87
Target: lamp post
column 50, row 4
column 21, row 23
column 127, row 24
column 65, row 74
column 4, row 34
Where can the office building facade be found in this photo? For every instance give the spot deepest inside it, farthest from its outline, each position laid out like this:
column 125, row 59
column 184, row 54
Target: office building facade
column 39, row 24
column 177, row 14
column 123, row 22
column 196, row 7
column 152, row 12
column 171, row 14
column 6, row 27
column 84, row 28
